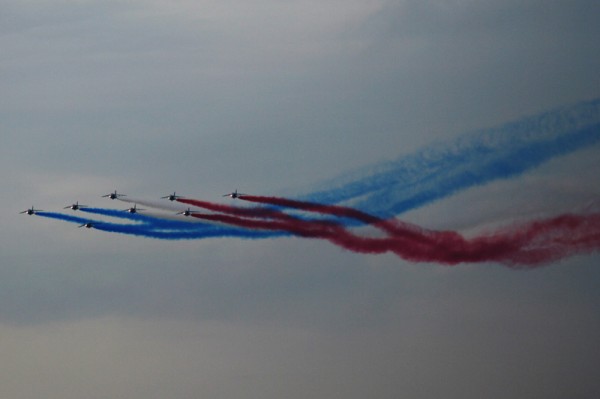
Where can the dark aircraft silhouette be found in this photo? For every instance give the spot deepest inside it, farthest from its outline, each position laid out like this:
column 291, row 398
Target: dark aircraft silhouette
column 172, row 197
column 31, row 211
column 114, row 195
column 234, row 194
column 75, row 206
column 134, row 209
column 187, row 212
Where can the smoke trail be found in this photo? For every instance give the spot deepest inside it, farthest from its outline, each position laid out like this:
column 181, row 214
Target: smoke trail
column 66, row 218
column 406, row 184
column 156, row 220
column 151, row 227
column 211, row 231
column 156, row 204
column 390, row 226
column 474, row 159
column 112, row 213
column 294, row 226
column 526, row 245
column 261, row 212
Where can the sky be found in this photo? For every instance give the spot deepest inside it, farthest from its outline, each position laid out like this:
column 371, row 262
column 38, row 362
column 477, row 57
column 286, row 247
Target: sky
column 286, row 99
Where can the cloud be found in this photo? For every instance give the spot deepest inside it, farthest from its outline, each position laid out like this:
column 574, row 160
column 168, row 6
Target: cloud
column 150, row 97
column 450, row 332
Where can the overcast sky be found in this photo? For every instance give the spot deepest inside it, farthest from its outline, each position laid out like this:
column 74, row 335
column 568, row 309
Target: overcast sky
column 274, row 98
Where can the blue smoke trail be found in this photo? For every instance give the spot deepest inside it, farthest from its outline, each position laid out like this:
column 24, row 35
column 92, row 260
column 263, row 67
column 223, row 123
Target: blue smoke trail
column 411, row 181
column 151, row 226
column 150, row 220
column 160, row 228
column 444, row 169
column 66, row 218
column 112, row 213
column 212, row 231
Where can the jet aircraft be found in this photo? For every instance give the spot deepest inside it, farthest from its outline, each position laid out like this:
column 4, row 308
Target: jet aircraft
column 114, row 195
column 31, row 211
column 88, row 225
column 134, row 209
column 234, row 194
column 172, row 197
column 187, row 212
column 75, row 206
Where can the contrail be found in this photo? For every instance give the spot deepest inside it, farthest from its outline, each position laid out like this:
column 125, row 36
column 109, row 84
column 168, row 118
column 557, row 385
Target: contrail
column 257, row 212
column 377, row 196
column 525, row 245
column 62, row 216
column 390, row 226
column 155, row 227
column 530, row 244
column 440, row 170
column 211, row 231
column 153, row 218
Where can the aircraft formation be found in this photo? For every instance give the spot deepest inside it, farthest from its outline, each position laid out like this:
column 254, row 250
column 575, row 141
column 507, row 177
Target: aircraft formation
column 132, row 210
column 526, row 245
column 381, row 193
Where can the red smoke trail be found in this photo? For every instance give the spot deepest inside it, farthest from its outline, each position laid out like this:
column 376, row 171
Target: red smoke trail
column 332, row 231
column 526, row 245
column 234, row 210
column 410, row 249
column 314, row 229
column 552, row 239
column 529, row 244
column 393, row 227
column 335, row 210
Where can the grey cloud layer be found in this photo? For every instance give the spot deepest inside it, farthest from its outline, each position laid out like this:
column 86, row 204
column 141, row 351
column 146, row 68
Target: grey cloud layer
column 206, row 97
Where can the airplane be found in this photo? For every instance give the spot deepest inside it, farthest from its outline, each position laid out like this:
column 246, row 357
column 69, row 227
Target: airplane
column 172, row 197
column 31, row 211
column 134, row 209
column 114, row 195
column 187, row 212
column 234, row 194
column 88, row 225
column 75, row 206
